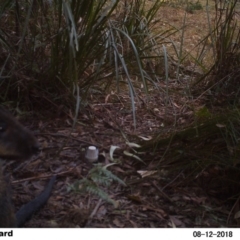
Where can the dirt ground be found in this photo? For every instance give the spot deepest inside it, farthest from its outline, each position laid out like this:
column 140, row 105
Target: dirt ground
column 147, row 200
column 144, row 202
column 150, row 200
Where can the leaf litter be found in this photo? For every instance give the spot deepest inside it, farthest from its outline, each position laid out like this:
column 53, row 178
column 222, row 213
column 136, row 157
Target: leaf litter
column 153, row 197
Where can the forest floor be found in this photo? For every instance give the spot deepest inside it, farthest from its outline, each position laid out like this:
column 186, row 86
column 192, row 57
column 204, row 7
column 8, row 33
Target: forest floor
column 151, row 197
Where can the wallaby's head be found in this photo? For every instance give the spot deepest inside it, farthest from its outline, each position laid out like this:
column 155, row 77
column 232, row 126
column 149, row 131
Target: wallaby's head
column 15, row 140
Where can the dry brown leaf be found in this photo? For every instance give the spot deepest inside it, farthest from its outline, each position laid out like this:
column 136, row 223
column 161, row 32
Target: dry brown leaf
column 146, row 173
column 176, row 221
column 118, row 223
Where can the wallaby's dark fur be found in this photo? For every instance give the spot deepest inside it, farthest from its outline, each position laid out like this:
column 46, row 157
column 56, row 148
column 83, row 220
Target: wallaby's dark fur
column 7, row 216
column 16, row 142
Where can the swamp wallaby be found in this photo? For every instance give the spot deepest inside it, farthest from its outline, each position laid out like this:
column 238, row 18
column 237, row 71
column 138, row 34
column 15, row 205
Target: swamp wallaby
column 16, row 142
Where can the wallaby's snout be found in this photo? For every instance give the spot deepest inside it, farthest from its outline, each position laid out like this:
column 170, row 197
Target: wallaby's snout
column 15, row 140
column 26, row 144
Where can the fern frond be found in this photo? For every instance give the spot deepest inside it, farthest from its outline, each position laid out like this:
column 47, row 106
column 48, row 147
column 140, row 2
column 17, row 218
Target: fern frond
column 98, row 176
column 94, row 189
column 102, row 180
column 100, row 171
column 112, row 176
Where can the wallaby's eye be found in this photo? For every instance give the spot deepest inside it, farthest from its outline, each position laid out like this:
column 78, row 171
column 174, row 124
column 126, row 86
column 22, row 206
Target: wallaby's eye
column 3, row 126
